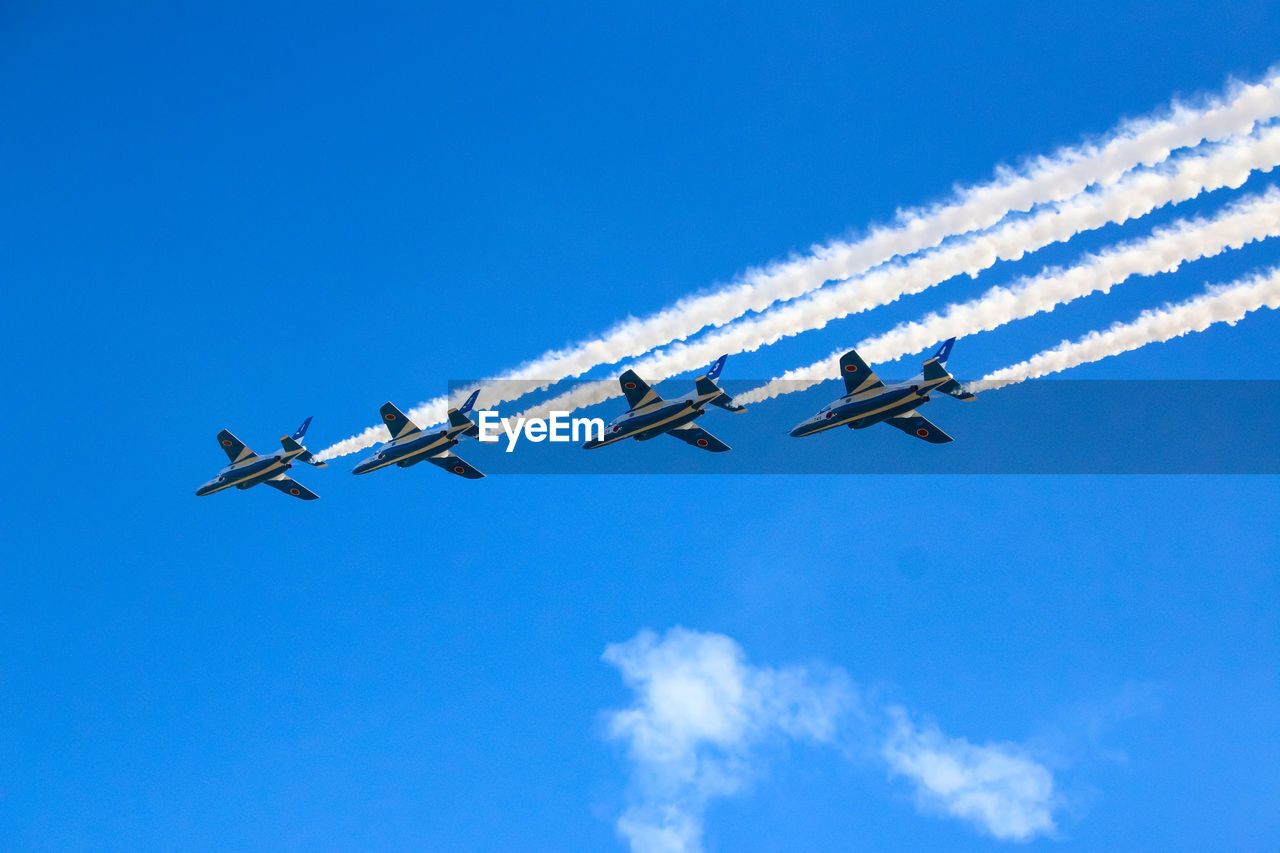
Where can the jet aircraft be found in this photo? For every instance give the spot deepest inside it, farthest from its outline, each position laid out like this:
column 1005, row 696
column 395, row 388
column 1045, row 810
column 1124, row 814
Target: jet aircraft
column 249, row 469
column 409, row 445
column 868, row 400
column 651, row 416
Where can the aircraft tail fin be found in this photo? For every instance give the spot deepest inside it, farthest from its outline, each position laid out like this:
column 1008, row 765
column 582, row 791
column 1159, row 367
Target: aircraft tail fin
column 934, row 370
column 458, row 420
column 291, row 445
column 713, row 372
column 707, row 385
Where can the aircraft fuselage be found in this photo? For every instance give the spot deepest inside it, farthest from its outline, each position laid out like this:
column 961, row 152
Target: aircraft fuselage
column 865, row 408
column 406, row 450
column 250, row 472
column 653, row 420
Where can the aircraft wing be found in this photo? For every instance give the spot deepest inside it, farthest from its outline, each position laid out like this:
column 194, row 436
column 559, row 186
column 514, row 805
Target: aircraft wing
column 857, row 374
column 699, row 438
column 914, row 423
column 233, row 446
column 291, row 487
column 398, row 424
column 637, row 390
column 455, row 465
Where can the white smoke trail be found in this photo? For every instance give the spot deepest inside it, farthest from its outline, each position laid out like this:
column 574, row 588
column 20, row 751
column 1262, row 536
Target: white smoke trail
column 1183, row 178
column 1227, row 303
column 1042, row 180
column 1248, row 220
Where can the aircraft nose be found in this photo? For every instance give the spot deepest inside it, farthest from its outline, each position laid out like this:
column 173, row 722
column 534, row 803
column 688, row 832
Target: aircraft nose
column 204, row 490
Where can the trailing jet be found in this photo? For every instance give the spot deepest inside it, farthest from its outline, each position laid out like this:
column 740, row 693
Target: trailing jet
column 868, row 400
column 410, row 445
column 651, row 416
column 249, row 469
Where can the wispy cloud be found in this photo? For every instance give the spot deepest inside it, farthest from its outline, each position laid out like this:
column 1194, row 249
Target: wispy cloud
column 996, row 787
column 703, row 716
column 700, row 709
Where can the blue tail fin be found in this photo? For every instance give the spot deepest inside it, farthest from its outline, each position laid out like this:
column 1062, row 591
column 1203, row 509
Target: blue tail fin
column 716, row 366
column 707, row 385
column 302, row 430
column 471, row 401
column 945, row 350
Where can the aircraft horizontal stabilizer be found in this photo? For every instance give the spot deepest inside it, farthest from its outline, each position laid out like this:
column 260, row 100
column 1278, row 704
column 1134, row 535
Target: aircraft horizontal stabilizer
column 706, row 385
column 291, row 446
column 933, row 370
column 460, row 423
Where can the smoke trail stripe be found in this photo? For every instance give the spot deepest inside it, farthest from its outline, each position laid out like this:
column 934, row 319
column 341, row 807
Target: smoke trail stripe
column 1227, row 303
column 1185, row 177
column 1247, row 220
column 1042, row 180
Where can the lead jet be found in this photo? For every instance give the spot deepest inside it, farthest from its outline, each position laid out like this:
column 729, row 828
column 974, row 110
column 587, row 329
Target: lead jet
column 868, row 400
column 410, row 445
column 651, row 416
column 249, row 469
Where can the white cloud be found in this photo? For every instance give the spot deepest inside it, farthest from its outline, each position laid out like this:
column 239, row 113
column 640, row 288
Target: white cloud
column 997, row 787
column 699, row 709
column 702, row 714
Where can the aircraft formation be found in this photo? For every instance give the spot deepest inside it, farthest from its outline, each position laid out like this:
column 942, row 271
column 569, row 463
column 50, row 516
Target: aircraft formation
column 867, row 401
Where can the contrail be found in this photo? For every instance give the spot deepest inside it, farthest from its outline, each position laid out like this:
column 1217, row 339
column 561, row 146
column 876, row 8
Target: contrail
column 1248, row 220
column 1226, row 165
column 1227, row 303
column 1043, row 180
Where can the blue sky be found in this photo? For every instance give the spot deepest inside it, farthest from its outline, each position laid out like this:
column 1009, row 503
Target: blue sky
column 241, row 217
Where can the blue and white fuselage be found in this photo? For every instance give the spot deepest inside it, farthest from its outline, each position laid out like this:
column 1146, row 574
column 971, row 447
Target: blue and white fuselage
column 409, row 445
column 248, row 469
column 408, row 449
column 651, row 415
column 653, row 420
column 868, row 400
